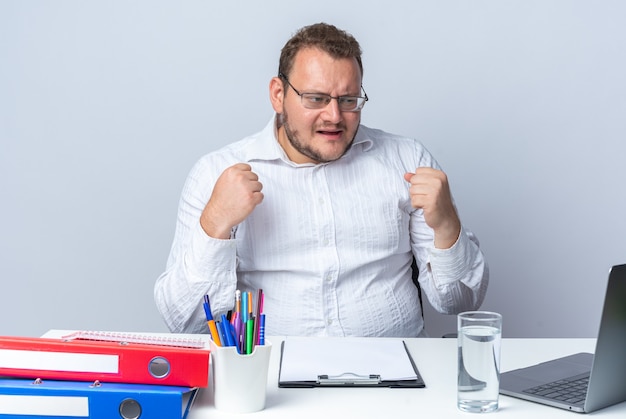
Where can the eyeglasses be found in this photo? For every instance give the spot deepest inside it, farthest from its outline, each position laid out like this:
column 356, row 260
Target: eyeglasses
column 321, row 100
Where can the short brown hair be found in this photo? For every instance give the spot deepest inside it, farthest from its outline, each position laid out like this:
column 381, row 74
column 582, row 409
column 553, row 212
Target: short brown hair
column 336, row 42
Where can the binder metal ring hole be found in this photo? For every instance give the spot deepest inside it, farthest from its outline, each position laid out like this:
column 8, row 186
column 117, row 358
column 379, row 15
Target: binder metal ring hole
column 130, row 409
column 159, row 367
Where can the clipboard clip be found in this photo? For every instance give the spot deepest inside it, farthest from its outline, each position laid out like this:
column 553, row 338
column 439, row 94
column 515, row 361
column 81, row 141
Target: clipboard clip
column 347, row 379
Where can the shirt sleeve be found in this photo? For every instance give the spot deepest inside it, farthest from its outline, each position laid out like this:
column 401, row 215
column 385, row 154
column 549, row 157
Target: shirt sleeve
column 197, row 264
column 454, row 279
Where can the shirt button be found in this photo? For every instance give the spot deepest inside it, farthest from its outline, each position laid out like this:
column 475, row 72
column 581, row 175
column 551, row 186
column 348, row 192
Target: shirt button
column 329, row 322
column 321, row 201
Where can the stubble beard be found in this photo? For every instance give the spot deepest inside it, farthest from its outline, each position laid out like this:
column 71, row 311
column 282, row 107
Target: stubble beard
column 307, row 150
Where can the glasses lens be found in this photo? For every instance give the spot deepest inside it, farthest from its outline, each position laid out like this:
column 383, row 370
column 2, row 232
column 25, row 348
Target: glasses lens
column 349, row 103
column 314, row 101
column 319, row 101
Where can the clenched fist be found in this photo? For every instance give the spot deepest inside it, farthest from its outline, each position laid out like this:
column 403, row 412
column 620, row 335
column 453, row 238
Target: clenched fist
column 235, row 195
column 430, row 192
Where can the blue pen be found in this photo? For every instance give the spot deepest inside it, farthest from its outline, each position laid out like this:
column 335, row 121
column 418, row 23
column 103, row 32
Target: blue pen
column 207, row 308
column 210, row 322
column 221, row 334
column 233, row 337
column 262, row 330
column 230, row 340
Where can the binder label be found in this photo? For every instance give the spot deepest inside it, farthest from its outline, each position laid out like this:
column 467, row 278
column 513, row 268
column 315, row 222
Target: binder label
column 58, row 361
column 44, row 405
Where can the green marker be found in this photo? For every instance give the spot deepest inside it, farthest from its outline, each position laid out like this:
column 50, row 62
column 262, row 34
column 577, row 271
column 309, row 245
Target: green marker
column 249, row 336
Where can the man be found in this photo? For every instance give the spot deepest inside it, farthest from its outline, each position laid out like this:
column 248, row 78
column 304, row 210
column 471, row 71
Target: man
column 322, row 213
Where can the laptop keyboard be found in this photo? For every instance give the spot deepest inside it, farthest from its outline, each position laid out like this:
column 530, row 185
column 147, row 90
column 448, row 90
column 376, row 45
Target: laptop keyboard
column 572, row 390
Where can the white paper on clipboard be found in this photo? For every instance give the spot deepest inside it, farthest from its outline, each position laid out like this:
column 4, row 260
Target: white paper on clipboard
column 306, row 358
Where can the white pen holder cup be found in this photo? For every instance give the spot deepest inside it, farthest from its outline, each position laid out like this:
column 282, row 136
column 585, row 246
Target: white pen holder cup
column 240, row 381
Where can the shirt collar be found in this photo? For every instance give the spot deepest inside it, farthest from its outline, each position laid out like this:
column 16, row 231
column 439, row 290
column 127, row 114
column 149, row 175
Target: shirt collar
column 265, row 146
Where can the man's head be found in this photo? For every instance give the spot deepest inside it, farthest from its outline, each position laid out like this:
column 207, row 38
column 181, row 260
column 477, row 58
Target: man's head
column 318, row 61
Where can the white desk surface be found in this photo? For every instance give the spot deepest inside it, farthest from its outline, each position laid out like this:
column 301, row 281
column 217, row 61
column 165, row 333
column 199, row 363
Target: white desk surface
column 436, row 361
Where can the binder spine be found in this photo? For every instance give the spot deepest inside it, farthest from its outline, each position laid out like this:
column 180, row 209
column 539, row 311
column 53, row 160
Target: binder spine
column 104, row 361
column 70, row 399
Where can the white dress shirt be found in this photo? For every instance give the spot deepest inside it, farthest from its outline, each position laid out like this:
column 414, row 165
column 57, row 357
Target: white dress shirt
column 331, row 244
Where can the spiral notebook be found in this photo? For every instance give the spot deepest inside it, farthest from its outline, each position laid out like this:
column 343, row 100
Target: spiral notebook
column 143, row 338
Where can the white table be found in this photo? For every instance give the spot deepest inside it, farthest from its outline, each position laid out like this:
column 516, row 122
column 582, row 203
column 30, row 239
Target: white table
column 436, row 361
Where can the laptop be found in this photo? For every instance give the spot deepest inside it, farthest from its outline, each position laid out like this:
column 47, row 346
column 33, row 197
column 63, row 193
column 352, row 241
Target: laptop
column 598, row 380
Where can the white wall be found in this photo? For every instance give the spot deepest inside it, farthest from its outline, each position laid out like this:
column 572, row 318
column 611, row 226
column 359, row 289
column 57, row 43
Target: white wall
column 105, row 105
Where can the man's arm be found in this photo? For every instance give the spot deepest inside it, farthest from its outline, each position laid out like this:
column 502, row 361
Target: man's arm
column 453, row 270
column 454, row 279
column 430, row 192
column 198, row 263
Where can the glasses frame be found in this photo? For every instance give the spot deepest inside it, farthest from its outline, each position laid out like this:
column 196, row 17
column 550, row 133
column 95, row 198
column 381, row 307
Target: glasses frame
column 360, row 100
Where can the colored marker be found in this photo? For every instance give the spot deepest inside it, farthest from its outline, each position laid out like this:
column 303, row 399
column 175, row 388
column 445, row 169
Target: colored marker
column 238, row 301
column 220, row 332
column 262, row 330
column 244, row 307
column 227, row 332
column 259, row 310
column 249, row 336
column 211, row 323
column 237, row 331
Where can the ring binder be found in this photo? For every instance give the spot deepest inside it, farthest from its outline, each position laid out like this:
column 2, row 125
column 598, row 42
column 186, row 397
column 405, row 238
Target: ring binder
column 89, row 360
column 81, row 399
column 348, row 378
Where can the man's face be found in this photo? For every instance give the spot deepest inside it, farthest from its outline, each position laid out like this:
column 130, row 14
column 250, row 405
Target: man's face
column 317, row 135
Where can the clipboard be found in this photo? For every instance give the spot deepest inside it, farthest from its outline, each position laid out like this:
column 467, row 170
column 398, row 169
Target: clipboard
column 307, row 362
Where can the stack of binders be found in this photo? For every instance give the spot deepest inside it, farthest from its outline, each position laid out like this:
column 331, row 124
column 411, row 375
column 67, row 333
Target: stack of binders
column 101, row 375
